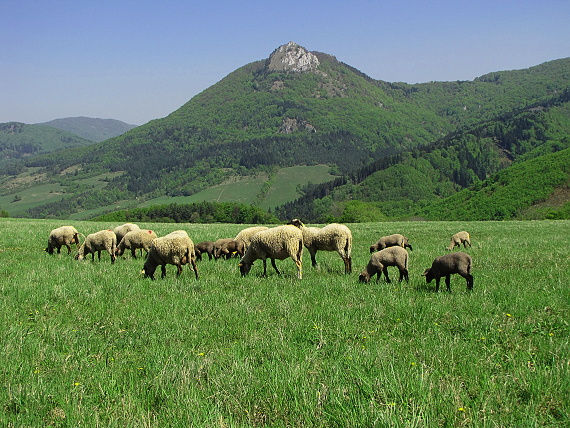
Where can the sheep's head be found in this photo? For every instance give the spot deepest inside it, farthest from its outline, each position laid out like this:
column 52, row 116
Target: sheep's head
column 364, row 277
column 244, row 268
column 148, row 272
column 373, row 248
column 429, row 275
column 296, row 222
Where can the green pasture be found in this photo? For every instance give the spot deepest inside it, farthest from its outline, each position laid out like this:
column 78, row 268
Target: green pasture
column 94, row 344
column 245, row 190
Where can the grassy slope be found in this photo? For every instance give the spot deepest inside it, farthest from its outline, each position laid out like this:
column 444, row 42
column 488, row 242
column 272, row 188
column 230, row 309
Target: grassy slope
column 85, row 342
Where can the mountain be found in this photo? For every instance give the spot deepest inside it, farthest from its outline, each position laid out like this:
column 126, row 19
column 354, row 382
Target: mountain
column 92, row 129
column 392, row 145
column 19, row 141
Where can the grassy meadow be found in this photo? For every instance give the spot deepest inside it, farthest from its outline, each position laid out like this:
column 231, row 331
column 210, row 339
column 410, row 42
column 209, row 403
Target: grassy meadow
column 93, row 344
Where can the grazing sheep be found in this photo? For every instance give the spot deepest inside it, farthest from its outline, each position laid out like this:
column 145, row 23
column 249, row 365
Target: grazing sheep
column 136, row 239
column 379, row 262
column 458, row 239
column 204, row 247
column 246, row 234
column 123, row 229
column 97, row 242
column 225, row 247
column 333, row 237
column 64, row 235
column 176, row 249
column 277, row 243
column 449, row 264
column 395, row 240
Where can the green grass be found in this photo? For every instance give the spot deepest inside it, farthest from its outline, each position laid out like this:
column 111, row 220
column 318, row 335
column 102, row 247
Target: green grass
column 94, row 344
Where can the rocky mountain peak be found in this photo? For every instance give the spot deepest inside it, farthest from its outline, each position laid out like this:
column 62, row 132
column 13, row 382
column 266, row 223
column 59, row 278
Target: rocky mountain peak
column 292, row 58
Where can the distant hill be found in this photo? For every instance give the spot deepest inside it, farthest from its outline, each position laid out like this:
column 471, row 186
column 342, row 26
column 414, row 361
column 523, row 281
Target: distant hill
column 96, row 130
column 394, row 147
column 19, row 141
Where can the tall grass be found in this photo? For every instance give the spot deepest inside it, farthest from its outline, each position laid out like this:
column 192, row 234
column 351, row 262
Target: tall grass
column 94, row 344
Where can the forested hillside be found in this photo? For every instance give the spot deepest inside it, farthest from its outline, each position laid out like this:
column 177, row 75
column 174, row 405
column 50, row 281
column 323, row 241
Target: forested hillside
column 395, row 147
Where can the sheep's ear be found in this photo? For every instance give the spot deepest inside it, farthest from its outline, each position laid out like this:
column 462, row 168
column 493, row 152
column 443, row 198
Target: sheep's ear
column 425, row 273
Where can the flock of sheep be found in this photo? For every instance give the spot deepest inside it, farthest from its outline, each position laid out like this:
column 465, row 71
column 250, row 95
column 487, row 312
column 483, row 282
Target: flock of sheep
column 262, row 243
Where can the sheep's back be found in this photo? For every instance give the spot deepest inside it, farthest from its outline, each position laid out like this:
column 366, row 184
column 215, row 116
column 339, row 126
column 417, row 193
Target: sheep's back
column 332, row 237
column 172, row 249
column 278, row 243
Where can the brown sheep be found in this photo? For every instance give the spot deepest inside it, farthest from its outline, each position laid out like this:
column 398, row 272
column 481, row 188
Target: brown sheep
column 379, row 262
column 447, row 265
column 458, row 239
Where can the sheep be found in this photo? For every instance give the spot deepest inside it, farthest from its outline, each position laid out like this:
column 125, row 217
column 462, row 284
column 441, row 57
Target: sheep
column 277, row 243
column 136, row 239
column 96, row 242
column 176, row 249
column 395, row 240
column 204, row 247
column 64, row 235
column 123, row 229
column 246, row 234
column 333, row 237
column 458, row 239
column 379, row 262
column 448, row 264
column 225, row 247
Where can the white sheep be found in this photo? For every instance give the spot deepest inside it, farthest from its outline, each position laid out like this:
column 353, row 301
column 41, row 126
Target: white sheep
column 97, row 242
column 62, row 236
column 458, row 239
column 333, row 237
column 395, row 240
column 246, row 234
column 123, row 229
column 447, row 265
column 176, row 249
column 379, row 262
column 278, row 243
column 134, row 239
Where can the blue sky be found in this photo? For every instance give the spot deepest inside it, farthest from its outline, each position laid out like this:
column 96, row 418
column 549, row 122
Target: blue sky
column 140, row 60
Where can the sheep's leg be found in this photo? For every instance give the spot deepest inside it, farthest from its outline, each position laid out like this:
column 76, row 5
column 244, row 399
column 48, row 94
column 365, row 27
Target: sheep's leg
column 275, row 266
column 448, row 282
column 68, row 249
column 194, row 268
column 403, row 273
column 299, row 265
column 264, row 267
column 163, row 270
column 347, row 264
column 385, row 271
column 469, row 279
column 437, row 284
column 134, row 252
column 313, row 254
column 112, row 254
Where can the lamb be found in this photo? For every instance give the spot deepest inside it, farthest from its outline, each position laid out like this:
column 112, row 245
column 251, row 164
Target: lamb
column 204, row 247
column 379, row 262
column 225, row 247
column 277, row 243
column 333, row 237
column 123, row 229
column 64, row 235
column 448, row 264
column 176, row 249
column 134, row 239
column 458, row 239
column 395, row 240
column 97, row 242
column 246, row 234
